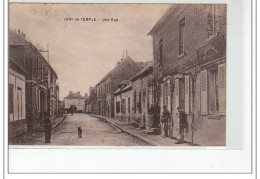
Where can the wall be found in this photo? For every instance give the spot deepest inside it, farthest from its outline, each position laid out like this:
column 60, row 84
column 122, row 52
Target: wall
column 140, row 86
column 17, row 119
column 127, row 96
column 202, row 129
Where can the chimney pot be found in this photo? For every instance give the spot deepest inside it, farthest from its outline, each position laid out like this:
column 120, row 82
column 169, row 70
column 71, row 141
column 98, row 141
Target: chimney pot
column 78, row 92
column 70, row 92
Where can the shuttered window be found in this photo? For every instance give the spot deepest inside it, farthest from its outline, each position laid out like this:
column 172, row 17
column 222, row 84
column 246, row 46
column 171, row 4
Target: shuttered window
column 204, row 92
column 222, row 88
column 161, row 98
column 176, row 91
column 169, row 96
column 187, row 94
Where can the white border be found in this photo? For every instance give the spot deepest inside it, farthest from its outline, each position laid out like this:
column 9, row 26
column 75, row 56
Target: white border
column 158, row 160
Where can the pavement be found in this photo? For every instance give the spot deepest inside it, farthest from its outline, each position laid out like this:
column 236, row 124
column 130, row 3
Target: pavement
column 155, row 140
column 37, row 136
column 95, row 132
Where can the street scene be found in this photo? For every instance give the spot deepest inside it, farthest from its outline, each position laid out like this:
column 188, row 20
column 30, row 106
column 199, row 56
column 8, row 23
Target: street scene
column 96, row 132
column 117, row 74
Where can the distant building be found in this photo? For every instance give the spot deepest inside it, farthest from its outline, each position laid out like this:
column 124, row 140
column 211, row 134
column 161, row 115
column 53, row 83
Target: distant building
column 105, row 89
column 61, row 107
column 76, row 101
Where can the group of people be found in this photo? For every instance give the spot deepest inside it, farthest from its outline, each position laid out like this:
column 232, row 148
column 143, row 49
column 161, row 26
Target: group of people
column 166, row 120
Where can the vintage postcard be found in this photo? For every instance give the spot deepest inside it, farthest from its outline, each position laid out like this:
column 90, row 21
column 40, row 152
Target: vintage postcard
column 117, row 74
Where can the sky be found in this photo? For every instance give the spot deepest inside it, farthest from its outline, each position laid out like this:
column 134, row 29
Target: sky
column 82, row 52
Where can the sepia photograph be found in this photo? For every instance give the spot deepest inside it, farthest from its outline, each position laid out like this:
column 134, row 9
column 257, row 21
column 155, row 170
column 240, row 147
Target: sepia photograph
column 117, row 74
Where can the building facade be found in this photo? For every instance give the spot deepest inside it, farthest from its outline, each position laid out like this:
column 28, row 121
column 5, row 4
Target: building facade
column 38, row 79
column 90, row 101
column 75, row 101
column 189, row 43
column 133, row 98
column 105, row 89
column 142, row 96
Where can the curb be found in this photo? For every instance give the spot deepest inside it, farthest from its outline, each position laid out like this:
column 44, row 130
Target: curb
column 55, row 125
column 129, row 132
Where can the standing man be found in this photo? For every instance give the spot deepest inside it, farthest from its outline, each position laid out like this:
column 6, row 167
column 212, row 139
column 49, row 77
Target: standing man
column 47, row 128
column 164, row 121
column 182, row 124
column 71, row 109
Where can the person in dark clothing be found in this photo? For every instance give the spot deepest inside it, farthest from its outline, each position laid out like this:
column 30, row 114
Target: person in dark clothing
column 182, row 124
column 164, row 121
column 71, row 110
column 47, row 128
column 157, row 112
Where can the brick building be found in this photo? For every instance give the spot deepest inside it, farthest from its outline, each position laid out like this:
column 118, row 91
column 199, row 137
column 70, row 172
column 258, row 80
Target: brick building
column 189, row 44
column 105, row 89
column 40, row 80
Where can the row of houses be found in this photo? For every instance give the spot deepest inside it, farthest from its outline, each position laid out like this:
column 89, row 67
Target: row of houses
column 32, row 86
column 188, row 71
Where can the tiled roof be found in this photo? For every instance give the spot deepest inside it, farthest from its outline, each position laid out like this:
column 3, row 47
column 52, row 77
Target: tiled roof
column 142, row 64
column 74, row 96
column 16, row 39
column 112, row 71
column 146, row 68
column 126, row 88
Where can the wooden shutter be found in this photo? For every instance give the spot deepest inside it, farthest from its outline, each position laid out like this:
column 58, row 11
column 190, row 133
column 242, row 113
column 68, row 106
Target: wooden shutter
column 150, row 98
column 176, row 91
column 222, row 88
column 187, row 94
column 169, row 96
column 204, row 92
column 161, row 98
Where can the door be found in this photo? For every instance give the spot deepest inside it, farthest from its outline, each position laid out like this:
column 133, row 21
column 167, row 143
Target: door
column 19, row 103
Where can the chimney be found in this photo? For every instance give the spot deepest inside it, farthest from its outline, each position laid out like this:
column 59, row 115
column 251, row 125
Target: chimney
column 18, row 31
column 70, row 92
column 78, row 92
column 126, row 53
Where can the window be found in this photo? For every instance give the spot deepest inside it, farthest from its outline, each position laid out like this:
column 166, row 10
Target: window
column 139, row 102
column 187, row 94
column 212, row 23
column 160, row 52
column 123, row 106
column 36, row 66
column 19, row 102
column 213, row 100
column 135, row 102
column 118, row 107
column 181, row 36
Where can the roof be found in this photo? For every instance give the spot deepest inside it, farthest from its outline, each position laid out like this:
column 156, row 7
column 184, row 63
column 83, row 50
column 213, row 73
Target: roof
column 15, row 39
column 146, row 69
column 124, row 82
column 112, row 71
column 168, row 17
column 142, row 64
column 126, row 88
column 74, row 96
